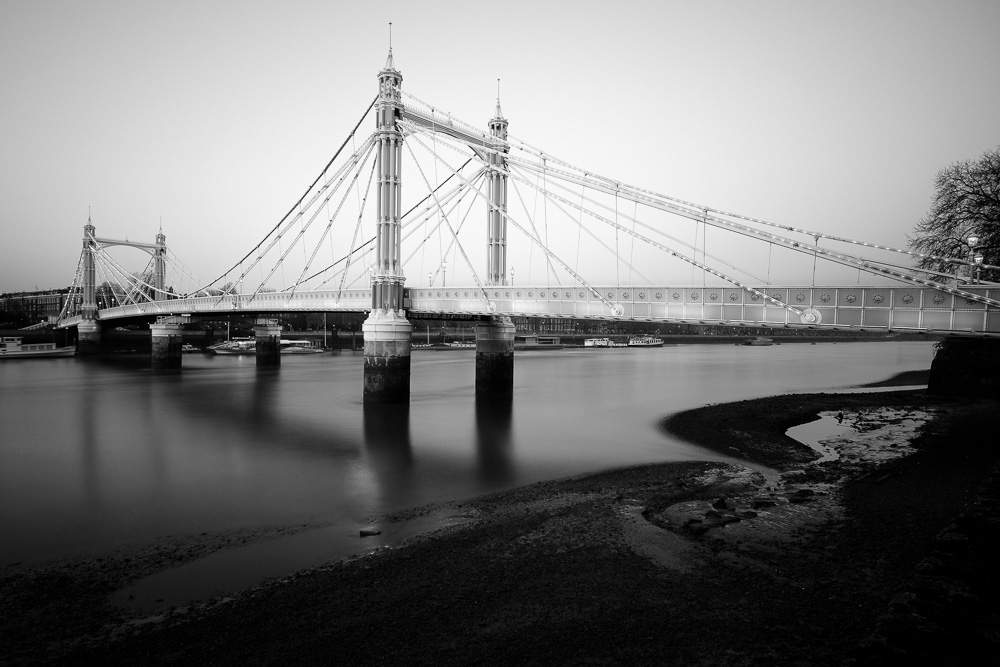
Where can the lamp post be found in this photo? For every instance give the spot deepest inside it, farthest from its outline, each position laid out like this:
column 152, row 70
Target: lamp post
column 512, row 276
column 444, row 273
column 430, row 279
column 978, row 259
column 973, row 241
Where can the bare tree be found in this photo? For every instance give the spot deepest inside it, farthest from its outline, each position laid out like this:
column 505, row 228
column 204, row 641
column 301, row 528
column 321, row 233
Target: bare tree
column 966, row 204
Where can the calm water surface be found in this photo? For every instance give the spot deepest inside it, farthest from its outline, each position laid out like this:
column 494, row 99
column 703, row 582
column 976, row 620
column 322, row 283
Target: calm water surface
column 96, row 454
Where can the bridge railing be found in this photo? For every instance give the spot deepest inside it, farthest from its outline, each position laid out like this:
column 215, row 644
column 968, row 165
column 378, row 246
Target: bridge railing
column 886, row 308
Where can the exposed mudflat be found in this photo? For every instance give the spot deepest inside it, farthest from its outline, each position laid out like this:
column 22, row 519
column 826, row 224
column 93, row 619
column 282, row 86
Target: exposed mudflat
column 883, row 554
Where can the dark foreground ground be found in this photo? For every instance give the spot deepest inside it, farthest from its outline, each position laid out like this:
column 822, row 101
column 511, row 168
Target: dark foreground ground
column 866, row 560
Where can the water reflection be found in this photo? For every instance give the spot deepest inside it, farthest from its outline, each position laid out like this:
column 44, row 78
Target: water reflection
column 494, row 446
column 389, row 450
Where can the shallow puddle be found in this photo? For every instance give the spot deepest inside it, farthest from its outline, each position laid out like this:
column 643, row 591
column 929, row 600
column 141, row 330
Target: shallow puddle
column 236, row 569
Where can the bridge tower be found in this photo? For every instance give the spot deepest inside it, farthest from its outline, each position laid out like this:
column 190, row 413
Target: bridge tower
column 88, row 331
column 495, row 338
column 387, row 331
column 160, row 267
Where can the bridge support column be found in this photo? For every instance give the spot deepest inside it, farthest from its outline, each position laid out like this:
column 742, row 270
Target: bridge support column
column 495, row 356
column 268, row 338
column 966, row 367
column 387, row 356
column 166, row 351
column 88, row 337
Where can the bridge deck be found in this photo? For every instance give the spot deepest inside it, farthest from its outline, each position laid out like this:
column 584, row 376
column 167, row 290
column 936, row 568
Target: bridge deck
column 866, row 307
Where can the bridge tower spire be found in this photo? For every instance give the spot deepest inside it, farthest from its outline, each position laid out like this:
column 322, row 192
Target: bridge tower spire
column 387, row 331
column 160, row 267
column 88, row 331
column 496, row 260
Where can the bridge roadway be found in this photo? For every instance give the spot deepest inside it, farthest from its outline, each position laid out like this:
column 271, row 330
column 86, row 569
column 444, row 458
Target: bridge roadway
column 884, row 308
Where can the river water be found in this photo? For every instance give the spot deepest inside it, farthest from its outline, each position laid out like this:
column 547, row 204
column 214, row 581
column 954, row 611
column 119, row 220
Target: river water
column 97, row 454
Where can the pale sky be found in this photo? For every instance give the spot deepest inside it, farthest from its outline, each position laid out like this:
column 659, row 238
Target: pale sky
column 214, row 116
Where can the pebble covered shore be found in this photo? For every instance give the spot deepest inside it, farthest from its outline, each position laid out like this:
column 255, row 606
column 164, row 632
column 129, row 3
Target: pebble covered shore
column 860, row 560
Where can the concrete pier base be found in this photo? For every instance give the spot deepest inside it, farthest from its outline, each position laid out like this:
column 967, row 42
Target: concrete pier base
column 166, row 351
column 88, row 337
column 387, row 356
column 966, row 367
column 268, row 338
column 495, row 356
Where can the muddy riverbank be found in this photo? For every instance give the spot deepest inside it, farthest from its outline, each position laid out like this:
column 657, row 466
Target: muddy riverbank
column 858, row 559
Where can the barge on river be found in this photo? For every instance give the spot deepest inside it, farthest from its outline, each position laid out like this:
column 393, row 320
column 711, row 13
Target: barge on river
column 12, row 348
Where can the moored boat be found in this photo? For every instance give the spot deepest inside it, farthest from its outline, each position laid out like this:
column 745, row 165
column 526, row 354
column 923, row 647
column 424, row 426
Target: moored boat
column 758, row 341
column 300, row 347
column 12, row 348
column 597, row 342
column 236, row 346
column 645, row 341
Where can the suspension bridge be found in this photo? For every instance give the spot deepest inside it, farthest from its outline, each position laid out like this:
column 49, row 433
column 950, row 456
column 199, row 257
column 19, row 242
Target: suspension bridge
column 586, row 246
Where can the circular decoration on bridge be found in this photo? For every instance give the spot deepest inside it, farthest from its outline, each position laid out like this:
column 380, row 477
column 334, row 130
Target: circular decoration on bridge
column 531, row 294
column 642, row 295
column 938, row 299
column 617, row 310
column 659, row 295
column 581, row 295
column 825, row 298
column 466, row 294
column 811, row 316
column 518, row 295
column 694, row 296
column 569, row 296
column 506, row 295
column 675, row 296
column 448, row 294
column 611, row 295
column 625, row 295
column 733, row 296
column 878, row 298
column 755, row 297
column 907, row 299
column 851, row 298
column 439, row 293
column 714, row 296
column 800, row 297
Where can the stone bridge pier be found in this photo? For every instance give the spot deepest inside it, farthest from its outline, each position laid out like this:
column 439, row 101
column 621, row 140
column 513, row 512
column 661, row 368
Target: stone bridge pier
column 495, row 356
column 267, row 336
column 166, row 349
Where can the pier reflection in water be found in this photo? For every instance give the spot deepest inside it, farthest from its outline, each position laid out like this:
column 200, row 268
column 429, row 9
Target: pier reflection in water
column 102, row 454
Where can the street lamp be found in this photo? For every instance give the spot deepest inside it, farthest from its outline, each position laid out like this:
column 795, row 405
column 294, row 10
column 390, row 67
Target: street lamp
column 512, row 276
column 973, row 241
column 444, row 273
column 978, row 259
column 430, row 279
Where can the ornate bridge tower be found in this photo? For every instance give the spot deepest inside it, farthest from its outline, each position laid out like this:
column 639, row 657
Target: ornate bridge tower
column 88, row 331
column 387, row 331
column 495, row 338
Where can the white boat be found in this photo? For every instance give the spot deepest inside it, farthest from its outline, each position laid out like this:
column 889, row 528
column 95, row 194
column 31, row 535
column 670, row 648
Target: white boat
column 12, row 348
column 236, row 346
column 758, row 341
column 300, row 347
column 597, row 342
column 645, row 341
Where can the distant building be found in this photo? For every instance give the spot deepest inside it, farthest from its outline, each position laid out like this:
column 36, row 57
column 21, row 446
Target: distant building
column 44, row 305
